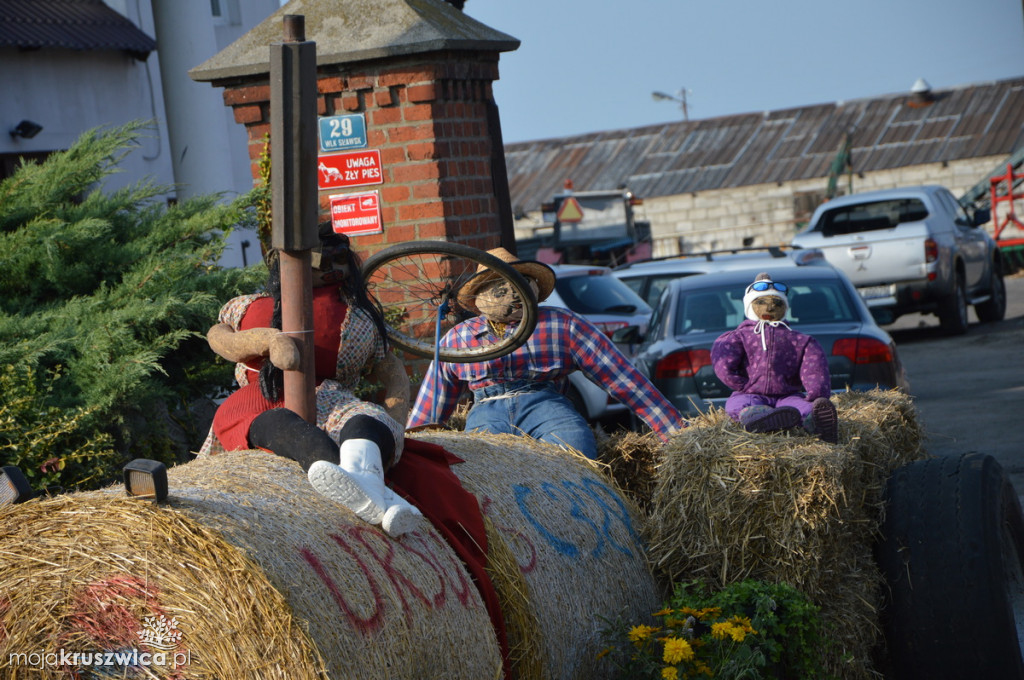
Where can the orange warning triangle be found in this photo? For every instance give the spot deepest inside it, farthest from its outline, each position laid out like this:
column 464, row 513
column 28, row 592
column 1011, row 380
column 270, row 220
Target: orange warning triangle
column 570, row 210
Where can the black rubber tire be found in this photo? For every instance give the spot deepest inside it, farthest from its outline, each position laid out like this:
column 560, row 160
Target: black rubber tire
column 953, row 309
column 402, row 280
column 950, row 552
column 993, row 309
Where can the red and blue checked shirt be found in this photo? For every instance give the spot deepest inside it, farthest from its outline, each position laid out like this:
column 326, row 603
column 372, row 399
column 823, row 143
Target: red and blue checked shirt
column 562, row 343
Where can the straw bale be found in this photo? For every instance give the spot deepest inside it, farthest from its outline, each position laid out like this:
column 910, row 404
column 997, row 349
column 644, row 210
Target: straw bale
column 632, row 461
column 284, row 583
column 576, row 542
column 786, row 507
column 80, row 573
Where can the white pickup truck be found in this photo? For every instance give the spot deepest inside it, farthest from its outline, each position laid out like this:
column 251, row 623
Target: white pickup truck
column 913, row 249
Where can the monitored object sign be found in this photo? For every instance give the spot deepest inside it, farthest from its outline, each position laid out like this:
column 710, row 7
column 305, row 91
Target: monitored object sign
column 356, row 214
column 340, row 133
column 353, row 169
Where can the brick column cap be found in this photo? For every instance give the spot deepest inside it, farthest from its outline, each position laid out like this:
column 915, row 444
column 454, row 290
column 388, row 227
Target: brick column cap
column 357, row 30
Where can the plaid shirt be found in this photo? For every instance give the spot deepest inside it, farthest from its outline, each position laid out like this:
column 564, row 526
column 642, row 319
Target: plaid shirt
column 562, row 343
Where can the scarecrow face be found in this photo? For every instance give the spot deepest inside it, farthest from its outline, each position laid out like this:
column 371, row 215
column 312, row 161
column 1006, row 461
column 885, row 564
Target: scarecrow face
column 769, row 307
column 499, row 302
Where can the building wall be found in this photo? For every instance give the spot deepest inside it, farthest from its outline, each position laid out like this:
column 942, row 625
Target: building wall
column 69, row 92
column 769, row 214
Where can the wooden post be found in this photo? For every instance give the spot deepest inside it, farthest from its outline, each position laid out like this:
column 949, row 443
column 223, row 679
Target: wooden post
column 293, row 151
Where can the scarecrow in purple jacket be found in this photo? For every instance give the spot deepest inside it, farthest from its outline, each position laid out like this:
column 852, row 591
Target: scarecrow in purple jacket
column 780, row 376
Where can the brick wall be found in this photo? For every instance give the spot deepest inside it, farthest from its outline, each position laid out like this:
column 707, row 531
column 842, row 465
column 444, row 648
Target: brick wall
column 431, row 121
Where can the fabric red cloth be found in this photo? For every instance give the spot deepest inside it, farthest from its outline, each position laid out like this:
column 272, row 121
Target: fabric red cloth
column 424, row 476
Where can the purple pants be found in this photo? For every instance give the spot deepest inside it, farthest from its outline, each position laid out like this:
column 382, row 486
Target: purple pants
column 740, row 400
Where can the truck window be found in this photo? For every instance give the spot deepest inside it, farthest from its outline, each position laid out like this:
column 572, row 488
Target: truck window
column 854, row 219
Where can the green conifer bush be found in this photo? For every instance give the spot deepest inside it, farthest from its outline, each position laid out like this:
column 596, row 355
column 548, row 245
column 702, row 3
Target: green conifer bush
column 105, row 299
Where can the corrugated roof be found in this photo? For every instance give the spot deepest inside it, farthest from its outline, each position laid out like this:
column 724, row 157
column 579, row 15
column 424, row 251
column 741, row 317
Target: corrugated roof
column 973, row 121
column 70, row 24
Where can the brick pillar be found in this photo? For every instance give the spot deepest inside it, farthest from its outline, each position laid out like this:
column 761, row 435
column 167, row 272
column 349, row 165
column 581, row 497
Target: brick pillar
column 433, row 120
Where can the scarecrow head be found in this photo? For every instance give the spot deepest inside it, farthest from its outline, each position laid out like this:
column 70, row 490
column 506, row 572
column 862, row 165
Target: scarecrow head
column 765, row 300
column 493, row 297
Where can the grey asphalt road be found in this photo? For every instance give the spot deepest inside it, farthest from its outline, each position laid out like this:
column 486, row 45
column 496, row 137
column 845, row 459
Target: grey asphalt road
column 969, row 389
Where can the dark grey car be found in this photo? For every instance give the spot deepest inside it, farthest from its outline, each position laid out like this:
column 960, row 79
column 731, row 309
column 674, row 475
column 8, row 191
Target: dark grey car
column 693, row 311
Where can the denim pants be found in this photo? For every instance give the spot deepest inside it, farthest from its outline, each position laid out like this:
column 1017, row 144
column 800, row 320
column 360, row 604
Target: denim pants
column 533, row 409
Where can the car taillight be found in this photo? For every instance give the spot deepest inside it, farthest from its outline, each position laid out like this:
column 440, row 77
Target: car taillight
column 931, row 250
column 609, row 327
column 863, row 350
column 682, row 364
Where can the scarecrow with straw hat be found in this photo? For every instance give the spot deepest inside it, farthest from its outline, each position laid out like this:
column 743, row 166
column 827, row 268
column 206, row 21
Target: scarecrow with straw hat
column 780, row 376
column 522, row 392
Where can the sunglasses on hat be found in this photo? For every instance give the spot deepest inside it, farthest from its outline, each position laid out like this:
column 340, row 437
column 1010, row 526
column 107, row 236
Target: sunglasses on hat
column 765, row 285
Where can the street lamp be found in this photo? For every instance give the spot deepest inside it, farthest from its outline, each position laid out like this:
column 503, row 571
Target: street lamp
column 680, row 97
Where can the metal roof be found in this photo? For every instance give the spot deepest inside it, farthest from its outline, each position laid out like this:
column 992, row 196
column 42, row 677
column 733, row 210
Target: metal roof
column 70, row 24
column 891, row 131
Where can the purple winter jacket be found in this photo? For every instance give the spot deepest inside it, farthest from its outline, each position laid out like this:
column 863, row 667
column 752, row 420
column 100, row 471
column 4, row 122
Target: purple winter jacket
column 792, row 362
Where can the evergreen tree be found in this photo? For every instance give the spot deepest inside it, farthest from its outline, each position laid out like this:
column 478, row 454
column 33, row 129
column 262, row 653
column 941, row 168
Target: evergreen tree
column 105, row 298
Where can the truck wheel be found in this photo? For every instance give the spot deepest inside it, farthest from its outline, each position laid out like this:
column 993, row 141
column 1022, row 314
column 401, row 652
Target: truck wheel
column 951, row 549
column 953, row 309
column 993, row 309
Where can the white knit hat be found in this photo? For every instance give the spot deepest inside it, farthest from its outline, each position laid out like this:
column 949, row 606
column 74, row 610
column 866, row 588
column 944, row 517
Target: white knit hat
column 750, row 295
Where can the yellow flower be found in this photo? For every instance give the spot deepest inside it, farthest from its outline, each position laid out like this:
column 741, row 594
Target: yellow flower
column 676, row 650
column 640, row 633
column 663, row 612
column 604, row 652
column 669, row 673
column 721, row 630
column 738, row 634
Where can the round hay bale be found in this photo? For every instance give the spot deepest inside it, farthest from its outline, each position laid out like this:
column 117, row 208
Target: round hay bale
column 787, row 508
column 579, row 558
column 262, row 577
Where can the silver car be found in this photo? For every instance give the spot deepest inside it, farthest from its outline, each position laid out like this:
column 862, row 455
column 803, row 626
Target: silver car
column 593, row 293
column 649, row 278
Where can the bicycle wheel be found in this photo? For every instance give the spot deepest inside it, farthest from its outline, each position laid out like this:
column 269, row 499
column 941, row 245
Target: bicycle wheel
column 413, row 281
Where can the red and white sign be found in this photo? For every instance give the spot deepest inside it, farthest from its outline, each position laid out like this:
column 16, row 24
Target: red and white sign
column 570, row 210
column 356, row 214
column 352, row 169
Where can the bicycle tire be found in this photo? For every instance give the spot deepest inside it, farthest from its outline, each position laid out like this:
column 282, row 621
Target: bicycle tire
column 410, row 281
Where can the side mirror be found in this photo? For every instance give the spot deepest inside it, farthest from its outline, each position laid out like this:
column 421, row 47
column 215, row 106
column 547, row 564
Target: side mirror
column 630, row 335
column 981, row 216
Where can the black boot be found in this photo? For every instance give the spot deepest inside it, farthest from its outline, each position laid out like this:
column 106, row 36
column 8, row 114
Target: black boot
column 772, row 420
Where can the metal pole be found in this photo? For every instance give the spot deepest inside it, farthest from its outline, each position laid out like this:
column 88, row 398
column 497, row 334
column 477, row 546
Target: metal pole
column 293, row 148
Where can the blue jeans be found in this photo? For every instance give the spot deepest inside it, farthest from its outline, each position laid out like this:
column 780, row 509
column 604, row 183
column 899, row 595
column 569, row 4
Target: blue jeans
column 533, row 409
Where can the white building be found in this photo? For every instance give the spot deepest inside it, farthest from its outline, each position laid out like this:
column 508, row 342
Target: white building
column 70, row 66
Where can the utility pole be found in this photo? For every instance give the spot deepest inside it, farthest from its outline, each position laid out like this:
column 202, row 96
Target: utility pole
column 293, row 149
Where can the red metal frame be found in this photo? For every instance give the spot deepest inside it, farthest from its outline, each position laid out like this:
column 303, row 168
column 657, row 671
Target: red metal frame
column 997, row 184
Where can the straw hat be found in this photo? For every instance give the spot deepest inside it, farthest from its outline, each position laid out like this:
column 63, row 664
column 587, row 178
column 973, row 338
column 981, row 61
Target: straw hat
column 538, row 271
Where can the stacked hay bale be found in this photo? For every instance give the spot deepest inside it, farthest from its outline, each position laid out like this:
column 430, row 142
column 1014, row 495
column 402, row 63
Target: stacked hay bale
column 579, row 561
column 729, row 505
column 250, row 574
column 264, row 578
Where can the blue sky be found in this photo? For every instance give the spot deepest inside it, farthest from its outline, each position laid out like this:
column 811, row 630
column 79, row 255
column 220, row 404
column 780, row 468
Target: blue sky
column 586, row 66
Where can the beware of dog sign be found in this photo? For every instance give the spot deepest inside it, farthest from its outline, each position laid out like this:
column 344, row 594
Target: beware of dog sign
column 352, row 169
